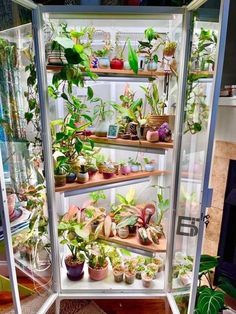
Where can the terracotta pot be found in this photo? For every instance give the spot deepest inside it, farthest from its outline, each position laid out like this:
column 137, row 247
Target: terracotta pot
column 156, row 121
column 98, row 274
column 60, row 180
column 117, row 64
column 74, row 270
column 129, row 278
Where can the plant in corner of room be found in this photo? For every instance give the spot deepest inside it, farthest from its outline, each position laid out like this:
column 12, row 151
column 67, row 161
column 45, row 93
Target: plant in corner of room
column 210, row 299
column 97, row 261
column 75, row 235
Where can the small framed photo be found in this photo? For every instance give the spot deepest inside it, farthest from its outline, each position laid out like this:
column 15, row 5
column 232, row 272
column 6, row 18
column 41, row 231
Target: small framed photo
column 113, row 131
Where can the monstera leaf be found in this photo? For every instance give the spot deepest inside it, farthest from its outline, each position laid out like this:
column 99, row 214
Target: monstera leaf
column 210, row 301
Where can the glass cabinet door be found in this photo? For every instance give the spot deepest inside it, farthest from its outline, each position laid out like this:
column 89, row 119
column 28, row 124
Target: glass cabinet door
column 197, row 132
column 24, row 215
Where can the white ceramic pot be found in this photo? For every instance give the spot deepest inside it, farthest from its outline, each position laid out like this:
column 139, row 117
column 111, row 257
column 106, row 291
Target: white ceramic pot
column 149, row 167
column 134, row 168
column 126, row 65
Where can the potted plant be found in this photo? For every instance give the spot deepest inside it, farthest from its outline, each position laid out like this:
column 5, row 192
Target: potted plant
column 108, row 170
column 157, row 116
column 159, row 262
column 75, row 235
column 210, row 297
column 102, row 114
column 82, row 175
column 117, row 63
column 149, row 164
column 61, row 168
column 103, row 54
column 97, row 261
column 100, row 161
column 117, row 269
column 154, row 268
column 130, row 271
column 139, row 269
column 169, row 48
column 149, row 48
column 125, row 168
column 164, row 132
column 135, row 165
column 147, row 277
column 70, row 177
column 131, row 115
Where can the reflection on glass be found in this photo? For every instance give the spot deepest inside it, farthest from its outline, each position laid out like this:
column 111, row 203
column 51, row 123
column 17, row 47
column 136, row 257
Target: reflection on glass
column 21, row 152
column 193, row 153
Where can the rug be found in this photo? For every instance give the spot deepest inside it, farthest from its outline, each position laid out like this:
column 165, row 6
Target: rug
column 77, row 307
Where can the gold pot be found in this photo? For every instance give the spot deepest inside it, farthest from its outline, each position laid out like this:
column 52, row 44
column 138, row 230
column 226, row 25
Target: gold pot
column 155, row 121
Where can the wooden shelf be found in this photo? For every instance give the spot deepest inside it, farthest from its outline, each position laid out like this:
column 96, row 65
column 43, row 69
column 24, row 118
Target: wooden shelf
column 131, row 143
column 98, row 180
column 133, row 242
column 209, row 74
column 112, row 72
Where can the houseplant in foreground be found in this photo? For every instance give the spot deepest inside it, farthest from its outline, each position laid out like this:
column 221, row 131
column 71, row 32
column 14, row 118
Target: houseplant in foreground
column 75, row 235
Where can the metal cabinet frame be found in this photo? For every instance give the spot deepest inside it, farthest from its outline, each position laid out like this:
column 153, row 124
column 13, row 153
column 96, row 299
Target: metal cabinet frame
column 37, row 13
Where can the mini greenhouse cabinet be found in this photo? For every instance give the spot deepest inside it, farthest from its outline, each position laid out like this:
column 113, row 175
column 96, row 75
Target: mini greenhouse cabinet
column 107, row 126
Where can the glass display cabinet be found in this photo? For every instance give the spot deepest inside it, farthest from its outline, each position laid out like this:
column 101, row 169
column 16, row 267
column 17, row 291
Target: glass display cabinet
column 107, row 124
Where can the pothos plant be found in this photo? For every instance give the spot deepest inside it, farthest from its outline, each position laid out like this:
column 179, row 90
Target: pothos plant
column 72, row 74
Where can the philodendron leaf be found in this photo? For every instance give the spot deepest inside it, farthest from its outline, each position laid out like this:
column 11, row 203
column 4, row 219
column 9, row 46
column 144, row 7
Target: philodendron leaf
column 28, row 116
column 210, row 301
column 132, row 58
column 207, row 262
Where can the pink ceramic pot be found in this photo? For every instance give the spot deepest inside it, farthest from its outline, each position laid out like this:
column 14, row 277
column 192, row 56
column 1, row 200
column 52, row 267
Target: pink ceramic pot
column 98, row 274
column 152, row 136
column 125, row 170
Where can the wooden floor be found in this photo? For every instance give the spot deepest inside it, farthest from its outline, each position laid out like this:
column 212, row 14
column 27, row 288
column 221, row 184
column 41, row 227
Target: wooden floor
column 137, row 306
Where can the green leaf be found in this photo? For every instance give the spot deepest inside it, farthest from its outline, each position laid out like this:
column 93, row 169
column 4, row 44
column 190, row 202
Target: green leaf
column 78, row 145
column 155, row 58
column 87, row 117
column 121, row 199
column 210, row 301
column 132, row 58
column 91, row 142
column 208, row 262
column 128, row 221
column 79, row 48
column 28, row 116
column 82, row 232
column 32, row 103
column 89, row 93
column 64, row 96
column 64, row 42
column 149, row 34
